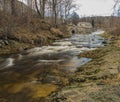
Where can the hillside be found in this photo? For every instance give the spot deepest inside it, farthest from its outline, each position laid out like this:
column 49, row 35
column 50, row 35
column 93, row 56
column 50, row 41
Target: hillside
column 23, row 31
column 20, row 7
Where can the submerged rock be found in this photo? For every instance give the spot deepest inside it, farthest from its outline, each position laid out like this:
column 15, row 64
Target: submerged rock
column 7, row 63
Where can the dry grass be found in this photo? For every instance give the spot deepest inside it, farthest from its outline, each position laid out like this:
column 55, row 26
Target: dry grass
column 14, row 47
column 115, row 32
column 99, row 79
column 26, row 33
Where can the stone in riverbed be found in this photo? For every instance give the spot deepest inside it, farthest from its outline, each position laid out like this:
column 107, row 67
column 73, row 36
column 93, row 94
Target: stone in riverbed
column 6, row 42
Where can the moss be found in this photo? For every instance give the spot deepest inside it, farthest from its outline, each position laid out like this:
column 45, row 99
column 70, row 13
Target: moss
column 14, row 47
column 99, row 68
column 95, row 54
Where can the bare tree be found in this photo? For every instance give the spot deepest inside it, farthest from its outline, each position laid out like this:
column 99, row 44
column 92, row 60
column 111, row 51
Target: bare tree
column 37, row 8
column 54, row 11
column 40, row 7
column 43, row 5
column 13, row 9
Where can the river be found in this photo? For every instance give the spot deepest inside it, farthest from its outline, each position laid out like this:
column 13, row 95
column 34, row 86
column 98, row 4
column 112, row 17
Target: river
column 62, row 53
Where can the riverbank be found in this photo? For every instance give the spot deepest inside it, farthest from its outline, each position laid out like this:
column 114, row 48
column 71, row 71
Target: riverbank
column 20, row 35
column 45, row 74
column 98, row 80
column 43, row 71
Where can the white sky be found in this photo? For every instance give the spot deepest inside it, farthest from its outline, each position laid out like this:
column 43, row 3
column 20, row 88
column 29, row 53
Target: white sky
column 95, row 7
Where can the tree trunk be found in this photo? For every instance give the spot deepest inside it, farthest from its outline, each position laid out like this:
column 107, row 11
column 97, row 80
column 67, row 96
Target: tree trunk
column 13, row 9
column 36, row 5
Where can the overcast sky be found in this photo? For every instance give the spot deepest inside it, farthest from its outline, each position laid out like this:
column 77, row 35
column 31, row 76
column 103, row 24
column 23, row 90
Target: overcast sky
column 95, row 7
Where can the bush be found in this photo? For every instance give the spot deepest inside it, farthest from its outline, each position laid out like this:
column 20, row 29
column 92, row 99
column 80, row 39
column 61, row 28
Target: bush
column 115, row 32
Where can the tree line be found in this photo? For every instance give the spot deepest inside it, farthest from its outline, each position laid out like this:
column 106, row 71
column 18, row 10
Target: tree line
column 54, row 10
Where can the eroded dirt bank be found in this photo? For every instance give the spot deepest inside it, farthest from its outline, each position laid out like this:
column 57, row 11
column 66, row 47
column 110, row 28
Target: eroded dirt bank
column 25, row 35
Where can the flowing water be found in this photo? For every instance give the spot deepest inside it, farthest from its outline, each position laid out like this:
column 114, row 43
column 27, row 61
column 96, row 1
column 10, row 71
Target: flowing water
column 62, row 52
